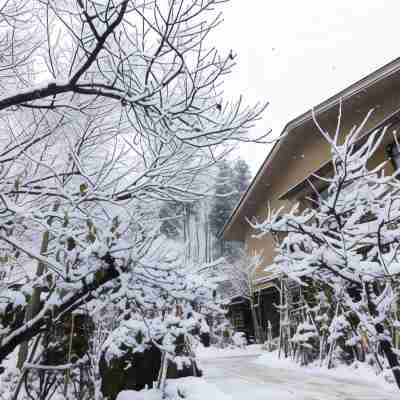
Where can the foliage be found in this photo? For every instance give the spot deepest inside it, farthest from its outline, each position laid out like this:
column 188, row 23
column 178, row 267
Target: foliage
column 224, row 197
column 230, row 184
column 242, row 176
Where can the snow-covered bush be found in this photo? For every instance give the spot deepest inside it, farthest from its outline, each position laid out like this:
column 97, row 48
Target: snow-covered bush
column 132, row 356
column 306, row 339
column 222, row 333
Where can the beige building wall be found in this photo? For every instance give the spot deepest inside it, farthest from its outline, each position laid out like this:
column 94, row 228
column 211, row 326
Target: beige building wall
column 305, row 150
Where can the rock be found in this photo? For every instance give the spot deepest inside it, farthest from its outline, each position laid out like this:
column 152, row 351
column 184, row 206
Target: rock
column 188, row 368
column 205, row 339
column 130, row 372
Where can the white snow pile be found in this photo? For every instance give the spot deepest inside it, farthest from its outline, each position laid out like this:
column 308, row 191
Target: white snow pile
column 189, row 388
column 239, row 339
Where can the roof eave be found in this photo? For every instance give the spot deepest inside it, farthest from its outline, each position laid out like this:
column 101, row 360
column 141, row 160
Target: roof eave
column 364, row 83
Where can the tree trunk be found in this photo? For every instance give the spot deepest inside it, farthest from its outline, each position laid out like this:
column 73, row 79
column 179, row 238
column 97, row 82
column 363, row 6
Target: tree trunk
column 387, row 349
column 386, row 345
column 34, row 303
column 257, row 331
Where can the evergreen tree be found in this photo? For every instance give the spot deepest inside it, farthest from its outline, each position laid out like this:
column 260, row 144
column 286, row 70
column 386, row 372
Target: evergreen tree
column 171, row 216
column 231, row 183
column 225, row 196
column 242, row 176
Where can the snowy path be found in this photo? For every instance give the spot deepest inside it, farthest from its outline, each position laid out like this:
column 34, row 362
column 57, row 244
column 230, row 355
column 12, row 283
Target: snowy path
column 241, row 378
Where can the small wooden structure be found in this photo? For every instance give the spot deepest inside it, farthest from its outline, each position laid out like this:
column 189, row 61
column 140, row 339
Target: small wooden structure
column 240, row 317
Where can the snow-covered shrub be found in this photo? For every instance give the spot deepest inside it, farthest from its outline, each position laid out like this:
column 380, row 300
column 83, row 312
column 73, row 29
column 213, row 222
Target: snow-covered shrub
column 306, row 342
column 239, row 339
column 222, row 333
column 132, row 354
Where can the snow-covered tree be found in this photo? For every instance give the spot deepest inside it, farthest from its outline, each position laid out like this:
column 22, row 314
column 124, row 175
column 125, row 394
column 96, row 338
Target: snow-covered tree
column 239, row 281
column 231, row 182
column 241, row 177
column 224, row 197
column 222, row 206
column 171, row 218
column 348, row 242
column 108, row 108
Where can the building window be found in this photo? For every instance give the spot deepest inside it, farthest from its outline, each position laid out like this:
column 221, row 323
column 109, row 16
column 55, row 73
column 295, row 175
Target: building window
column 238, row 320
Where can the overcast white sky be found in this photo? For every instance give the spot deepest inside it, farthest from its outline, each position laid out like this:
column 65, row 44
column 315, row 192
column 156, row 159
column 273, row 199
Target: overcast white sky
column 295, row 54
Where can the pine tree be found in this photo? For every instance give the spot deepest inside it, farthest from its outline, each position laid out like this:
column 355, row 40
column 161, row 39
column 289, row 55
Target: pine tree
column 225, row 195
column 171, row 215
column 242, row 177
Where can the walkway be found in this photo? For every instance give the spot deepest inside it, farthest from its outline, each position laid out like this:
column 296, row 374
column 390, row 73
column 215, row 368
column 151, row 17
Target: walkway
column 241, row 378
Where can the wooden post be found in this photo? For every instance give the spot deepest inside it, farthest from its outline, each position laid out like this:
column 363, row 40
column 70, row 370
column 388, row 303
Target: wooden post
column 34, row 302
column 280, row 320
column 162, row 375
column 68, row 370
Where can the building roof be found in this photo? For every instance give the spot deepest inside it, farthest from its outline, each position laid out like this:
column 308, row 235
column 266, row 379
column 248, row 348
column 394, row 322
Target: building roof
column 248, row 198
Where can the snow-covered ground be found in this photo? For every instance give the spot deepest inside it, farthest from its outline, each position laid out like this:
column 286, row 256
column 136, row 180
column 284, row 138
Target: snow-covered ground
column 204, row 353
column 246, row 374
column 254, row 374
column 184, row 388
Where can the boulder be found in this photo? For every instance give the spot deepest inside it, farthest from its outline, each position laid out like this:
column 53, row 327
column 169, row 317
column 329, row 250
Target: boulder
column 205, row 339
column 129, row 372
